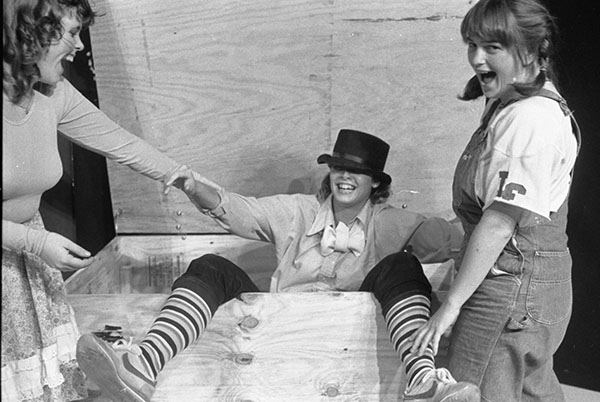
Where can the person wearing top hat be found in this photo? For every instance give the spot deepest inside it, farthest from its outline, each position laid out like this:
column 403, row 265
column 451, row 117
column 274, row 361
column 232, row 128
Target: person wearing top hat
column 344, row 238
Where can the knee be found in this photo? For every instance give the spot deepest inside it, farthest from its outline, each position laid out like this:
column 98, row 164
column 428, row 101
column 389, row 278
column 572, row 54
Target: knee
column 396, row 274
column 208, row 268
column 216, row 270
column 400, row 261
column 401, row 267
column 208, row 263
column 393, row 268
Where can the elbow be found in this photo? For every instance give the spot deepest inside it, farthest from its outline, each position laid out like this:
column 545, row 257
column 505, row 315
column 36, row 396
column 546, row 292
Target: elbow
column 500, row 225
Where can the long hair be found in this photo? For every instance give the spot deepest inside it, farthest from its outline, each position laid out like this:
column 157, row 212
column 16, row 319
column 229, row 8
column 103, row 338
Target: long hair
column 29, row 28
column 379, row 195
column 523, row 25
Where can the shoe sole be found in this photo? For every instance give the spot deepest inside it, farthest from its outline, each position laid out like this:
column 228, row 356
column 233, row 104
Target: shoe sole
column 102, row 370
column 468, row 393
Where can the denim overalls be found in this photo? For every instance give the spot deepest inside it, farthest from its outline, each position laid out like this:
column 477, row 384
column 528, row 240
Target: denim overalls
column 509, row 329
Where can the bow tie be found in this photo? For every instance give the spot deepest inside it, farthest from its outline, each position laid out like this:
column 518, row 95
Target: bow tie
column 342, row 239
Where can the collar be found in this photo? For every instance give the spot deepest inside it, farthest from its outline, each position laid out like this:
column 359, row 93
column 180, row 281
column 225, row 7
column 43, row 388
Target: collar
column 325, row 218
column 512, row 95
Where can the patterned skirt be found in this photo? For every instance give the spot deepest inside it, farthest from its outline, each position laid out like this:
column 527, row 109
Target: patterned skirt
column 39, row 332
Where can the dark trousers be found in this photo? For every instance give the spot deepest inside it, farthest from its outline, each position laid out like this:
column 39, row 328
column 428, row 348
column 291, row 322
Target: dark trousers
column 218, row 280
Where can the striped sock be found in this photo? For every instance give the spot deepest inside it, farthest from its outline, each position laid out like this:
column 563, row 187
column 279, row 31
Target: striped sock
column 181, row 321
column 402, row 319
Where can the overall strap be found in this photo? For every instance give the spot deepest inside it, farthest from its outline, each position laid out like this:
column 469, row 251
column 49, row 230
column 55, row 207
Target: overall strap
column 565, row 109
column 486, row 118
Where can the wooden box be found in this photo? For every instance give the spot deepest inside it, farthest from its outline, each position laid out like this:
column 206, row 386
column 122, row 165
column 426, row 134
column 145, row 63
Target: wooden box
column 249, row 94
column 303, row 347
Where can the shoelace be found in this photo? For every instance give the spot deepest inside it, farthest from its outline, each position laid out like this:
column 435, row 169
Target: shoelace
column 441, row 374
column 127, row 345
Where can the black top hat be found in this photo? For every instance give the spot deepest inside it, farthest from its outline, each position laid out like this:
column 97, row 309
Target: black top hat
column 359, row 151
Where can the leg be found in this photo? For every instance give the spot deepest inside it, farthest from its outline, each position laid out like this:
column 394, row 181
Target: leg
column 209, row 282
column 128, row 372
column 541, row 383
column 497, row 345
column 403, row 291
column 477, row 331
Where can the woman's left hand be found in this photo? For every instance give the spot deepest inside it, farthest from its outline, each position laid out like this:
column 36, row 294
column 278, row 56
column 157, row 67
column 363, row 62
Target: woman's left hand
column 432, row 331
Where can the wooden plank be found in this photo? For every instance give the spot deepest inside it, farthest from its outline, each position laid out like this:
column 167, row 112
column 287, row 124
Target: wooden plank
column 102, row 276
column 150, row 264
column 402, row 77
column 249, row 93
column 268, row 347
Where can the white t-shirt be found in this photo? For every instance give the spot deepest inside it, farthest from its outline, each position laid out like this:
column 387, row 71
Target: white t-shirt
column 529, row 155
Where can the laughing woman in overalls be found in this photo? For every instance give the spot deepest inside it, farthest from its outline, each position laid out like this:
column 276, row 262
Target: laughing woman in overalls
column 511, row 300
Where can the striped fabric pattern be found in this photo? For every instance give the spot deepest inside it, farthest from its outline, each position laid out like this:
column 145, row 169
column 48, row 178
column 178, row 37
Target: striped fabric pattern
column 402, row 319
column 181, row 321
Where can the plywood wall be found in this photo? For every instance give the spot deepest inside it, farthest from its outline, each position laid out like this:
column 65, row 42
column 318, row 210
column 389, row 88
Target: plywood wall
column 249, row 93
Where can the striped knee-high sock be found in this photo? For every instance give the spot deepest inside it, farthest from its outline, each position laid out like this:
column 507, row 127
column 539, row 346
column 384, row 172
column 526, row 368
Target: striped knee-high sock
column 181, row 321
column 402, row 319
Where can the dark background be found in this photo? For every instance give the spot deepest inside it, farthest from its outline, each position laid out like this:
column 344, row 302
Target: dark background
column 80, row 208
column 577, row 362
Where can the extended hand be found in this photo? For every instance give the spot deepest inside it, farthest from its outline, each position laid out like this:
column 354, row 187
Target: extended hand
column 182, row 178
column 64, row 255
column 432, row 331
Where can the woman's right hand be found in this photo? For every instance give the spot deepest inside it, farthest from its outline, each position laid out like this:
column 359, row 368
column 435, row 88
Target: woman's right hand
column 63, row 254
column 182, row 178
column 202, row 192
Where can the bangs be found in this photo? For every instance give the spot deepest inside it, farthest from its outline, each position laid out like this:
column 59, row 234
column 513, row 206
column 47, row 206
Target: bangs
column 80, row 9
column 85, row 14
column 490, row 22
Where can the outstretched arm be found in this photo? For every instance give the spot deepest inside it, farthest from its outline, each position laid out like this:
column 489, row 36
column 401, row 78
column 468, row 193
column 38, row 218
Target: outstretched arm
column 201, row 192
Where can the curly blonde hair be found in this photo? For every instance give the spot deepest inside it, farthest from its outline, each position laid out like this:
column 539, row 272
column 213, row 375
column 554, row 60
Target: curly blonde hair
column 30, row 27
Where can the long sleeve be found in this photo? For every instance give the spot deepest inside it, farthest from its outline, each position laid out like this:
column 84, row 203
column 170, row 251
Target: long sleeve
column 266, row 219
column 16, row 236
column 430, row 239
column 86, row 125
column 435, row 240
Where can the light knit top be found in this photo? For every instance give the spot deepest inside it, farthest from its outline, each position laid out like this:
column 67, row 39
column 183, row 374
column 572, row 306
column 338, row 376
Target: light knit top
column 31, row 163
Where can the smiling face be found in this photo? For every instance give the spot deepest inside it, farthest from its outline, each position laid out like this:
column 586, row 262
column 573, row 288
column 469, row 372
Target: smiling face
column 497, row 66
column 50, row 65
column 350, row 190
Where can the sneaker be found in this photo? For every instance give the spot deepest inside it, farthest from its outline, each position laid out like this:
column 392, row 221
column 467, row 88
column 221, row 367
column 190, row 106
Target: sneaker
column 117, row 369
column 439, row 386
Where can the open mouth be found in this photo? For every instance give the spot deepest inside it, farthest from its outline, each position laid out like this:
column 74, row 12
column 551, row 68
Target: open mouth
column 487, row 77
column 345, row 187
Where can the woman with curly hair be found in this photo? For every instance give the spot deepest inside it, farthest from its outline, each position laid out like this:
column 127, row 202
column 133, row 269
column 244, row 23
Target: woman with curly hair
column 39, row 332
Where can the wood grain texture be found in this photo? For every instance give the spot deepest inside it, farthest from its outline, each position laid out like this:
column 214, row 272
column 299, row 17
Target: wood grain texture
column 150, row 264
column 262, row 347
column 268, row 347
column 249, row 94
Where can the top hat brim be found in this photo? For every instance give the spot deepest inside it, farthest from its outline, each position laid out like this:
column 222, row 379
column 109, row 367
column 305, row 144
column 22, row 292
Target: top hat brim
column 383, row 177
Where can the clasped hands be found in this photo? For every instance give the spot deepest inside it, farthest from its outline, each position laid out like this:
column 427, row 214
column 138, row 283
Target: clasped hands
column 182, row 178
